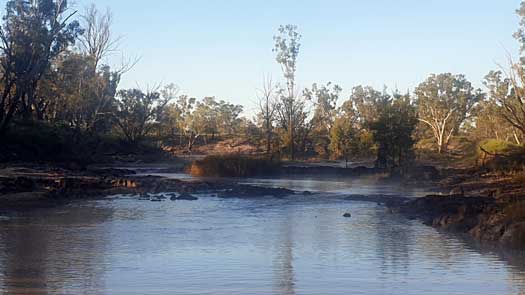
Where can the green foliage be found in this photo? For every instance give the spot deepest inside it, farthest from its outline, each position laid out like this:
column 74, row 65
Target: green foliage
column 290, row 108
column 393, row 130
column 325, row 100
column 365, row 103
column 490, row 123
column 348, row 142
column 499, row 147
column 138, row 113
column 444, row 102
column 232, row 166
column 33, row 34
column 501, row 155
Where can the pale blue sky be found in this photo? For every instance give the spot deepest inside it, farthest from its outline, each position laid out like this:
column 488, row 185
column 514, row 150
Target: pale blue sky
column 223, row 48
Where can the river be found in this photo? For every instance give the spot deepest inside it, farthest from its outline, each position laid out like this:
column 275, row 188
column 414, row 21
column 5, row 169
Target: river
column 296, row 245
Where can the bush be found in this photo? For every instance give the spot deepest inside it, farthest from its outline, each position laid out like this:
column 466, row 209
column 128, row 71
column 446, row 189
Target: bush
column 37, row 141
column 232, row 166
column 34, row 141
column 501, row 155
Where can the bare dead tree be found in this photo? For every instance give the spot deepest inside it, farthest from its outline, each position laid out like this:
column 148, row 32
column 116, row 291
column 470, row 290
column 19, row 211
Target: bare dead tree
column 514, row 103
column 267, row 110
column 98, row 40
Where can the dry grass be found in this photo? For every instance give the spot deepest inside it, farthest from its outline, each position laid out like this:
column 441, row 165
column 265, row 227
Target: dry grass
column 232, row 166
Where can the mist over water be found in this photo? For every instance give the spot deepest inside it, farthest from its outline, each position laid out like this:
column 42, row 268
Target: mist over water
column 295, row 245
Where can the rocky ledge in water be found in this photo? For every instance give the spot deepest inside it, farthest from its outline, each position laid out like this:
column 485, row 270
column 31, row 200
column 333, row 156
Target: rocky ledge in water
column 26, row 187
column 490, row 209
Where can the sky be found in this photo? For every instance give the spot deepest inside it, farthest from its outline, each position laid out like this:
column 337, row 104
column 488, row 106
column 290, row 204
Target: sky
column 224, row 48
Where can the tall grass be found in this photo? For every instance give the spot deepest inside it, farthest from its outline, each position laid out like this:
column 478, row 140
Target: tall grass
column 233, row 166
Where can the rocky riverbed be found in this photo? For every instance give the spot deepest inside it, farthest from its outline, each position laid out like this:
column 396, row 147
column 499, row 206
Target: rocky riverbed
column 24, row 187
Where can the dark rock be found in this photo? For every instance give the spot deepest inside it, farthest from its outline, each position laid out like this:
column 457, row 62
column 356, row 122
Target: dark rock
column 184, row 197
column 24, row 184
column 248, row 191
column 347, row 215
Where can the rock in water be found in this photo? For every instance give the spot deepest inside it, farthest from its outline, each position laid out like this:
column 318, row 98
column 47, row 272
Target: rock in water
column 185, row 197
column 347, row 215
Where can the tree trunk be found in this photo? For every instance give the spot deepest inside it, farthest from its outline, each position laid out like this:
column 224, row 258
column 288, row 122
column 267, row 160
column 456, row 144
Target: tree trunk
column 292, row 143
column 268, row 145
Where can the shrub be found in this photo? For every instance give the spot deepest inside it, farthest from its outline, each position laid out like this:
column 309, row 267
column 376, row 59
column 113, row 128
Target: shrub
column 232, row 166
column 501, row 155
column 35, row 141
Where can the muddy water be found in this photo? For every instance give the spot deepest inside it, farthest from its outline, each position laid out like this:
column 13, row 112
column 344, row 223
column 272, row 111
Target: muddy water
column 298, row 245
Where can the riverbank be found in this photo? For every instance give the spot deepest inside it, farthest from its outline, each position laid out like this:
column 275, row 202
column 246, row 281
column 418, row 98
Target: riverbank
column 487, row 206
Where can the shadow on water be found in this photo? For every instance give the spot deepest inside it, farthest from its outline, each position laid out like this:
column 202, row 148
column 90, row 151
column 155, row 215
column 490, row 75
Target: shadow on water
column 49, row 250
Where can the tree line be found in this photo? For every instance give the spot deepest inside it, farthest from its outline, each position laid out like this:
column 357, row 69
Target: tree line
column 53, row 65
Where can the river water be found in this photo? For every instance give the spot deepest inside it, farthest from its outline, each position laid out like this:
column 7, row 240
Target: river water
column 296, row 245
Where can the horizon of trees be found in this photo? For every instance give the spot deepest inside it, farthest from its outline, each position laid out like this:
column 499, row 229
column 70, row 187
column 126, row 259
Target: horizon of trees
column 53, row 69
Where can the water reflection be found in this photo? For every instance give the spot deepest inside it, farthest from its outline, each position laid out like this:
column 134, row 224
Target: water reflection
column 53, row 250
column 283, row 269
column 392, row 244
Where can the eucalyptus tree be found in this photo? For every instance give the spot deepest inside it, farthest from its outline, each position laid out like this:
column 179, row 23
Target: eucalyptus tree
column 393, row 129
column 81, row 96
column 366, row 102
column 138, row 112
column 32, row 35
column 509, row 92
column 344, row 138
column 444, row 102
column 290, row 106
column 488, row 123
column 324, row 98
column 228, row 121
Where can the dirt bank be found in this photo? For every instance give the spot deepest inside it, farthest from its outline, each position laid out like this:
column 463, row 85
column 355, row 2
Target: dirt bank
column 489, row 207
